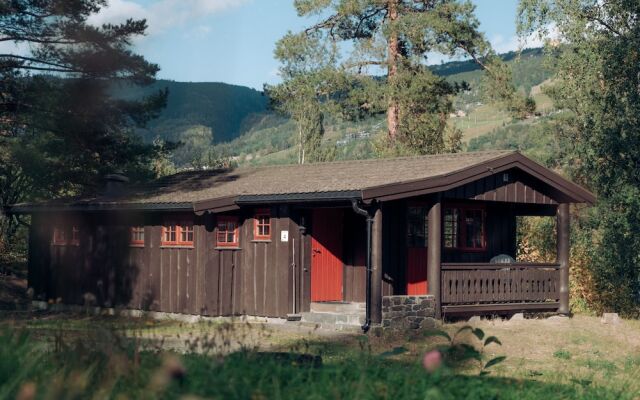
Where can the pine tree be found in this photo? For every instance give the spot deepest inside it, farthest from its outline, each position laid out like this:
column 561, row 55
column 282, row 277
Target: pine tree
column 370, row 57
column 58, row 117
column 60, row 127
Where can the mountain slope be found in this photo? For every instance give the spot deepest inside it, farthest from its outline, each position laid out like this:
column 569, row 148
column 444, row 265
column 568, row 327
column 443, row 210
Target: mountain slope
column 226, row 109
column 217, row 120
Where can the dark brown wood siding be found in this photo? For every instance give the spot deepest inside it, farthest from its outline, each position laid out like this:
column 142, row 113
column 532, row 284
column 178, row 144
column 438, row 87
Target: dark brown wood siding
column 355, row 253
column 255, row 279
column 266, row 277
column 394, row 248
column 510, row 186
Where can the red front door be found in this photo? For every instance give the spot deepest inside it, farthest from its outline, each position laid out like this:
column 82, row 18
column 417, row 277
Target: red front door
column 417, row 250
column 326, row 255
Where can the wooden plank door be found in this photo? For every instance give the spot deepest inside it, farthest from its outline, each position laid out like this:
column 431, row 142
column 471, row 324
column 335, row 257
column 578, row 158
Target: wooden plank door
column 326, row 255
column 417, row 250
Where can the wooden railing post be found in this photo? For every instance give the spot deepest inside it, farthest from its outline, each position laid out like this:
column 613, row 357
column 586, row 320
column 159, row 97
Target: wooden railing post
column 434, row 249
column 563, row 243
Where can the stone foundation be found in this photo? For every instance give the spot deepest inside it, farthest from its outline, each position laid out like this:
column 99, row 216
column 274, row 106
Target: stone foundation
column 408, row 312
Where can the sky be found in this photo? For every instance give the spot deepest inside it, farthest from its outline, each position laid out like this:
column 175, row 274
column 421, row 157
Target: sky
column 232, row 41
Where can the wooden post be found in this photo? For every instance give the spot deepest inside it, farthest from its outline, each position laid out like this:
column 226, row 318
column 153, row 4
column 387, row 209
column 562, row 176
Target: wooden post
column 563, row 255
column 434, row 249
column 376, row 267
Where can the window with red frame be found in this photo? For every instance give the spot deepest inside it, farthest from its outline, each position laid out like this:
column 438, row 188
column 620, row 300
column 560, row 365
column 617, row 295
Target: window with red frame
column 464, row 228
column 262, row 225
column 227, row 232
column 177, row 234
column 59, row 236
column 137, row 236
column 75, row 236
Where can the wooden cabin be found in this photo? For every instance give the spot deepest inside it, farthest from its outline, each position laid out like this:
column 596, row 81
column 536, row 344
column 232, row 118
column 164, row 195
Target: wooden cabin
column 278, row 240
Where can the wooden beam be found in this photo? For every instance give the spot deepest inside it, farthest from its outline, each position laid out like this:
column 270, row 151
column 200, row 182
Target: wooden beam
column 376, row 267
column 563, row 243
column 434, row 253
column 475, row 308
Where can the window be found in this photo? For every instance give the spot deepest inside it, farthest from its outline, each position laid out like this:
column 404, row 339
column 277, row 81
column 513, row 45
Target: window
column 262, row 225
column 177, row 234
column 227, row 232
column 75, row 236
column 464, row 228
column 137, row 236
column 451, row 216
column 417, row 226
column 59, row 236
column 186, row 233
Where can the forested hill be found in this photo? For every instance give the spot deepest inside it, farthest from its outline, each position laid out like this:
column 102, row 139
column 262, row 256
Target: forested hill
column 227, row 109
column 217, row 120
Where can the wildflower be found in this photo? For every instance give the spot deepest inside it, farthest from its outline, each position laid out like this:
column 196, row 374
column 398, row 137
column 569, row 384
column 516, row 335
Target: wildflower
column 27, row 391
column 432, row 360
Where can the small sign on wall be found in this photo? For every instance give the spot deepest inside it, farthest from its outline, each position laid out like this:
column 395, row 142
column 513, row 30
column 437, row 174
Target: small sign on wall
column 284, row 236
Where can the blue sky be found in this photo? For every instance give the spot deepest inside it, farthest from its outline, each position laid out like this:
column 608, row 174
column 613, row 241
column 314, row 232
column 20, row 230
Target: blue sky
column 232, row 41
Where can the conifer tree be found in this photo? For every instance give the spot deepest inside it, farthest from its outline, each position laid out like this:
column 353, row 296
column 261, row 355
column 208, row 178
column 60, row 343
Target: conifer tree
column 370, row 57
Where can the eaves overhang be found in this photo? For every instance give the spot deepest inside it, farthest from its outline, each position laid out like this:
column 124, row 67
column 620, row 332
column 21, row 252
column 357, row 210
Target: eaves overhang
column 572, row 192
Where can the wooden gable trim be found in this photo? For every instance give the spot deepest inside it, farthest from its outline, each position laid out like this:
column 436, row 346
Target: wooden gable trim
column 518, row 187
column 445, row 182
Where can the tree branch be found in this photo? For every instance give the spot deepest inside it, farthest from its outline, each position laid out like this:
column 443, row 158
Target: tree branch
column 59, row 67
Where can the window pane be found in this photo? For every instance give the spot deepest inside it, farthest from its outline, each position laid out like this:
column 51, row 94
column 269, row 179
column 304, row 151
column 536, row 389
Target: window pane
column 451, row 216
column 473, row 228
column 417, row 227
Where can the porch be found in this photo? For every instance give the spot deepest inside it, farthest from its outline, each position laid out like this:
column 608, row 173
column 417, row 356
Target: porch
column 427, row 246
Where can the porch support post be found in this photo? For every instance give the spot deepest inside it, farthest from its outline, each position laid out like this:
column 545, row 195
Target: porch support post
column 563, row 243
column 434, row 250
column 376, row 266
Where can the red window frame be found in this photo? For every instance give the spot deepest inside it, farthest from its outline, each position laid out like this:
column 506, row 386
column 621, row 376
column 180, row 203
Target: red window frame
column 173, row 234
column 135, row 232
column 225, row 221
column 461, row 232
column 75, row 236
column 260, row 226
column 59, row 236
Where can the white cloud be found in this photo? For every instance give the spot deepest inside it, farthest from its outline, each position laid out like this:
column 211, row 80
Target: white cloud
column 503, row 45
column 199, row 31
column 162, row 15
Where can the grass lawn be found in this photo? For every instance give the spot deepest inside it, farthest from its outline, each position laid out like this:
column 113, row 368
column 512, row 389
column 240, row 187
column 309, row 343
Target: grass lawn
column 76, row 356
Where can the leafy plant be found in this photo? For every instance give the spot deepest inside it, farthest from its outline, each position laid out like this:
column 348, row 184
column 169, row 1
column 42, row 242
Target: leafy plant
column 461, row 349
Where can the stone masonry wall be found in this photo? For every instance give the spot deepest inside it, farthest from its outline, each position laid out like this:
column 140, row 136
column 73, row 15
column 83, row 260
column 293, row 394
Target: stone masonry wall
column 408, row 312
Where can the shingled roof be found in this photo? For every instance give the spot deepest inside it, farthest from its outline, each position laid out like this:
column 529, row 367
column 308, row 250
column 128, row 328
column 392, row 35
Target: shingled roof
column 362, row 179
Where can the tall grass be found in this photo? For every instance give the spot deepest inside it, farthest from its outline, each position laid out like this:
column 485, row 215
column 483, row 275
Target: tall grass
column 101, row 364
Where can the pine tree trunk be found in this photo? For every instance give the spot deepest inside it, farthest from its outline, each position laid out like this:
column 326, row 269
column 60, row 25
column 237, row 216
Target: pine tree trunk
column 392, row 70
column 300, row 145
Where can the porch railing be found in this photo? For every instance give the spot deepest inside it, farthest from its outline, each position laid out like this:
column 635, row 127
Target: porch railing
column 499, row 286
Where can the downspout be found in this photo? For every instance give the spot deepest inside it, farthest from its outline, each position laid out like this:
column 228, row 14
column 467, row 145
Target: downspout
column 369, row 217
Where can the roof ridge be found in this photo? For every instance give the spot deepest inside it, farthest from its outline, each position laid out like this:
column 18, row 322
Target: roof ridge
column 215, row 171
column 364, row 160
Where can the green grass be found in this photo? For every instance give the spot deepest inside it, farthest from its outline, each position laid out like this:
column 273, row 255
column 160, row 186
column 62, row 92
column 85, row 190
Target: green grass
column 111, row 370
column 562, row 354
column 74, row 356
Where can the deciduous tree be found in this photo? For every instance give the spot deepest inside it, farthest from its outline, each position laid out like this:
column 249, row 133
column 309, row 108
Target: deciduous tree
column 596, row 48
